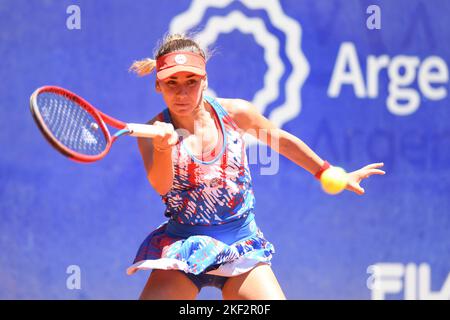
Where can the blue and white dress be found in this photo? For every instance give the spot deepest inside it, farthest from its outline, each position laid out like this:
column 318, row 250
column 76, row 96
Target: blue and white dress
column 211, row 227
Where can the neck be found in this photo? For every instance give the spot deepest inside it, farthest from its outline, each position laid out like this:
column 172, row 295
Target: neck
column 199, row 115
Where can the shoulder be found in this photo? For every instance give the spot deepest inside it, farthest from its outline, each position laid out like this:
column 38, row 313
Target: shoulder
column 241, row 111
column 236, row 106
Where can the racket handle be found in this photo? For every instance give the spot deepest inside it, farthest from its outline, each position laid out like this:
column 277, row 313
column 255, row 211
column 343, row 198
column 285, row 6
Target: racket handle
column 143, row 130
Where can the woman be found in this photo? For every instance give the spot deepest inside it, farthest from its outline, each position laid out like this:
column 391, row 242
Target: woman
column 200, row 169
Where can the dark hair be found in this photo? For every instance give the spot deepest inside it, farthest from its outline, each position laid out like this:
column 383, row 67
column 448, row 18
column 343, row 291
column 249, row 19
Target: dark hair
column 178, row 42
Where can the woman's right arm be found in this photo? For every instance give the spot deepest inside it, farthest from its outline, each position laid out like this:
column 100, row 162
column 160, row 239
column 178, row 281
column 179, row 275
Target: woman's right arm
column 157, row 156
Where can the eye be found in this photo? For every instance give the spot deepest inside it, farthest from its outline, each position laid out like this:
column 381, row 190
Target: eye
column 192, row 82
column 171, row 83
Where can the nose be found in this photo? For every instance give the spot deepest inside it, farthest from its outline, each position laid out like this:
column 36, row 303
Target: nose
column 182, row 91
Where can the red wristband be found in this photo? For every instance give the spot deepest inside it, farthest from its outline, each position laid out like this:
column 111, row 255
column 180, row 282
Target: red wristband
column 324, row 167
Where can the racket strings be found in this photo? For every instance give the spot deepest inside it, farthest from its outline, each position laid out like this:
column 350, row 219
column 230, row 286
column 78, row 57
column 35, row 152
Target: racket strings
column 71, row 124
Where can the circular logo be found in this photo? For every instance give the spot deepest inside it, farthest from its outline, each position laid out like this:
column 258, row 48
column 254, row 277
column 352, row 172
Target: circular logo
column 226, row 20
column 180, row 59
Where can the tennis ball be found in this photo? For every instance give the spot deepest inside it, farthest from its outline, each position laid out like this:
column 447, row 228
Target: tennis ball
column 334, row 180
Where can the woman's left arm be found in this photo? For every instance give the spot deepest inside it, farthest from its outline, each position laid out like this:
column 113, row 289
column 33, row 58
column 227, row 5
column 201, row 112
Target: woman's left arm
column 251, row 121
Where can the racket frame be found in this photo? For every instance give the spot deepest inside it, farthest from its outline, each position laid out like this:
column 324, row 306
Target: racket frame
column 98, row 116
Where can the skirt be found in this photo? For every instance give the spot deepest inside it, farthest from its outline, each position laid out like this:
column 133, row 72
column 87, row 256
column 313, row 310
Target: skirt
column 225, row 250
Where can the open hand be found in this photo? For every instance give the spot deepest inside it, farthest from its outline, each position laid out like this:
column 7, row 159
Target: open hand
column 355, row 177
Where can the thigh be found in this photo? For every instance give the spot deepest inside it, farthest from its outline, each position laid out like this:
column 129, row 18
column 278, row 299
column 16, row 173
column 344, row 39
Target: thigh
column 259, row 283
column 169, row 285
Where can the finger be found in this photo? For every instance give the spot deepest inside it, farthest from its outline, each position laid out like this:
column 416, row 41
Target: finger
column 166, row 134
column 174, row 138
column 356, row 188
column 168, row 137
column 359, row 190
column 161, row 133
column 374, row 171
column 374, row 165
column 170, row 130
column 162, row 128
column 158, row 123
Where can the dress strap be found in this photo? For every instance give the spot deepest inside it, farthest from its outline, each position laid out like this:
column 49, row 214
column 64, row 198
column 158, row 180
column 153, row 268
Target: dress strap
column 166, row 116
column 221, row 112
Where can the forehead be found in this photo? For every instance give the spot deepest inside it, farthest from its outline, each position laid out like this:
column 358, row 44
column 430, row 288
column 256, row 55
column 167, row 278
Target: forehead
column 183, row 75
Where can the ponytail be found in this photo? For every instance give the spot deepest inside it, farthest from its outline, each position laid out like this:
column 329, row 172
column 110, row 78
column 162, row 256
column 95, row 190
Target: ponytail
column 143, row 67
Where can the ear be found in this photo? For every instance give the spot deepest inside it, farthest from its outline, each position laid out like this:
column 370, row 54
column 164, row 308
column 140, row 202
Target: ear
column 205, row 83
column 157, row 86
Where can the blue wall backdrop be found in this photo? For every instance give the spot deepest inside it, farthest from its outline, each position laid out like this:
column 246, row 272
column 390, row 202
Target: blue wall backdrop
column 354, row 93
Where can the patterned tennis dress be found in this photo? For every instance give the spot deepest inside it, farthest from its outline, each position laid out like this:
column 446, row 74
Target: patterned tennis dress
column 211, row 227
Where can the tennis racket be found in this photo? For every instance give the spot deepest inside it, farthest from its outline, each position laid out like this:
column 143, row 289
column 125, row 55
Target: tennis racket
column 77, row 129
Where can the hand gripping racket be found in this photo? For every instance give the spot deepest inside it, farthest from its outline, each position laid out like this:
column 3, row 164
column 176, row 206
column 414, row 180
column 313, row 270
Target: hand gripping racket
column 77, row 129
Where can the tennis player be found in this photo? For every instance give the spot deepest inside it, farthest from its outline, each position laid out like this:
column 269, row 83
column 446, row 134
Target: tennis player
column 200, row 169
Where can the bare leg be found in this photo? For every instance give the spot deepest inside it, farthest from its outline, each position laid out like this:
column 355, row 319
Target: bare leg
column 168, row 285
column 259, row 283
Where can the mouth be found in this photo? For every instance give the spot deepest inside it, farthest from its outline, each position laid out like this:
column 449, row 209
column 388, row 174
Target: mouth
column 182, row 105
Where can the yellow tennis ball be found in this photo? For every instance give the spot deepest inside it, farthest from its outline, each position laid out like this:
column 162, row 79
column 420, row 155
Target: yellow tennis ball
column 334, row 180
